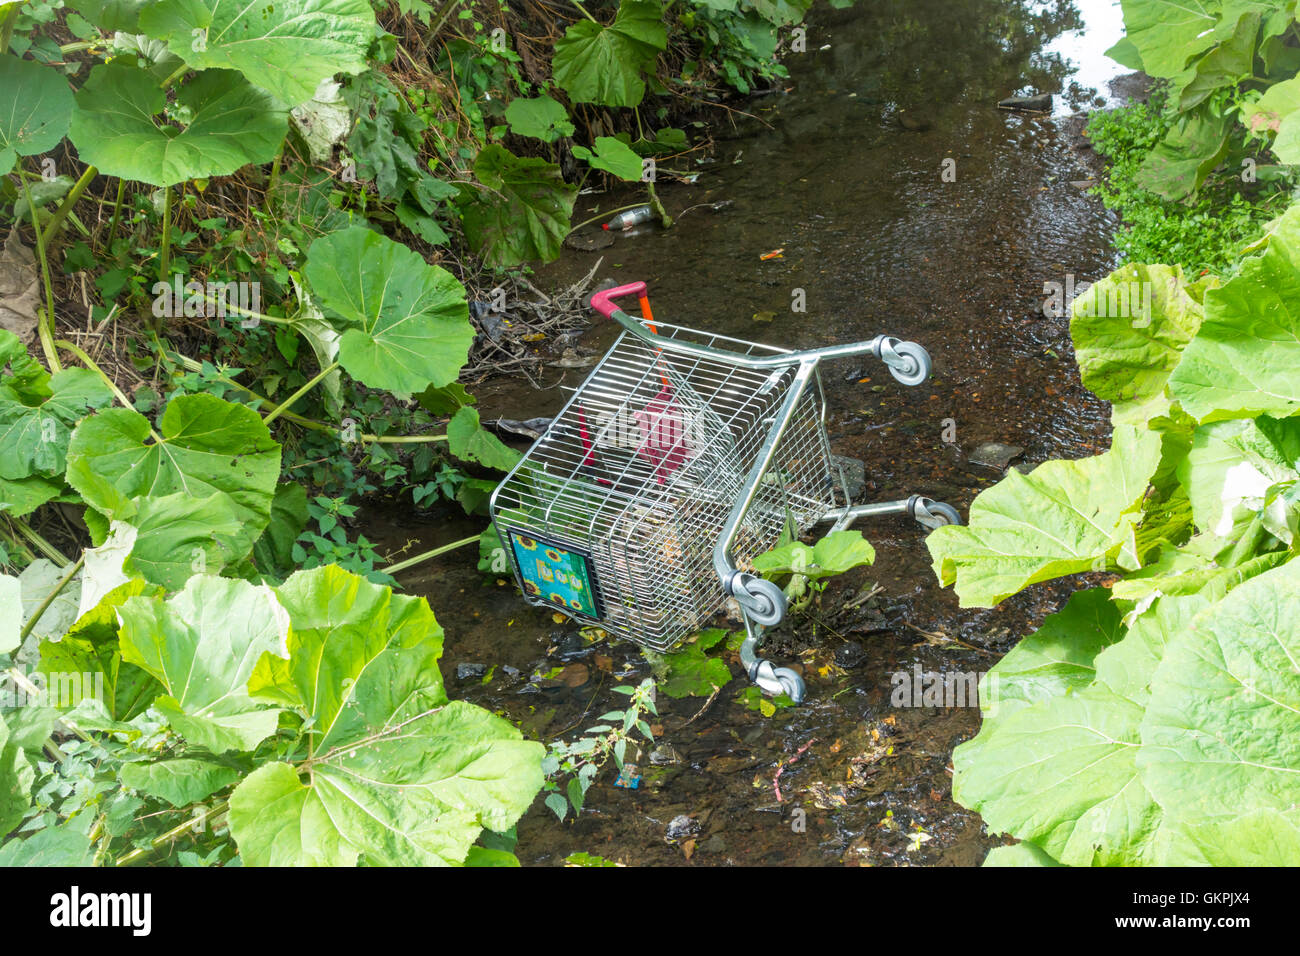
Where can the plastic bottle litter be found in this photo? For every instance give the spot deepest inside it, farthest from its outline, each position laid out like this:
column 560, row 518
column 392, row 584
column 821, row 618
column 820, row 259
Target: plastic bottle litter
column 633, row 217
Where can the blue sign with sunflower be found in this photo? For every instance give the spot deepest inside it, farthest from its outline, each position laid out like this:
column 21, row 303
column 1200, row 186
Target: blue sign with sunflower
column 557, row 575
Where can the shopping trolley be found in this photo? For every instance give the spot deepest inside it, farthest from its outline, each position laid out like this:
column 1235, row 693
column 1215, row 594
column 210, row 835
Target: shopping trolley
column 682, row 456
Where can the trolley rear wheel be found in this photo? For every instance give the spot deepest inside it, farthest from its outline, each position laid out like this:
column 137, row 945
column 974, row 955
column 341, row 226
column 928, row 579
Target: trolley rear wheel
column 762, row 601
column 918, row 365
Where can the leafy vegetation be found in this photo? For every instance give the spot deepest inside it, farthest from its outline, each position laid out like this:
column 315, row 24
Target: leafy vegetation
column 1152, row 723
column 288, row 239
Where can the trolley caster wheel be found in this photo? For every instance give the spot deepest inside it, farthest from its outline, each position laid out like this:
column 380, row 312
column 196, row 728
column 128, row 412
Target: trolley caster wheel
column 762, row 601
column 934, row 514
column 917, row 364
column 792, row 684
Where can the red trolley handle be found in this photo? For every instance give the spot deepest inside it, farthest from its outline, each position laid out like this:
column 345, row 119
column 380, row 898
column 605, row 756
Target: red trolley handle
column 603, row 303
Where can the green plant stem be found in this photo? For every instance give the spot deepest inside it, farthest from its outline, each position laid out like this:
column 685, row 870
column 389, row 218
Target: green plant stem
column 583, row 11
column 49, row 598
column 69, row 201
column 307, row 387
column 607, row 212
column 117, row 211
column 427, row 555
column 275, row 174
column 443, row 14
column 49, row 550
column 90, row 364
column 44, row 323
column 175, row 75
column 140, row 852
column 164, row 248
column 658, row 207
column 8, row 20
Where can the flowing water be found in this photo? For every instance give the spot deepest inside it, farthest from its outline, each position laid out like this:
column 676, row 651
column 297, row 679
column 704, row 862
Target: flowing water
column 842, row 167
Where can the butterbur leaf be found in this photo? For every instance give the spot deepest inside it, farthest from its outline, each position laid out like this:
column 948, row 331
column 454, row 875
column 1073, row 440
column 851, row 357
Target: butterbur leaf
column 1227, row 64
column 1167, row 33
column 1022, row 854
column 1057, row 658
column 16, row 778
column 540, row 117
column 201, row 645
column 87, row 663
column 35, row 108
column 273, row 552
column 1278, row 111
column 399, row 776
column 1243, row 360
column 181, row 781
column 120, row 125
column 613, row 156
column 1180, row 163
column 111, row 16
column 36, row 436
column 523, row 210
column 178, row 536
column 1064, row 517
column 11, row 613
column 1129, row 331
column 208, row 445
column 1221, row 734
column 606, row 64
column 469, row 441
column 286, row 47
column 404, row 323
column 1233, row 464
column 1063, row 774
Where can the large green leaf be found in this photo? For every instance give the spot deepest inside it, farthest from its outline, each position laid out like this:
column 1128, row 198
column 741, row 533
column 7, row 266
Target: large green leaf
column 286, row 47
column 404, row 323
column 1233, row 464
column 111, row 16
column 1180, row 163
column 11, row 613
column 605, row 64
column 1167, row 33
column 1129, row 331
column 208, row 445
column 1057, row 658
column 540, row 117
column 1221, row 735
column 1226, row 65
column 35, row 436
column 90, row 651
column 1243, row 360
column 398, row 776
column 1063, row 774
column 613, row 156
column 1064, row 517
column 469, row 441
column 1278, row 111
column 181, row 781
column 16, row 778
column 202, row 644
column 521, row 211
column 273, row 552
column 218, row 124
column 35, row 108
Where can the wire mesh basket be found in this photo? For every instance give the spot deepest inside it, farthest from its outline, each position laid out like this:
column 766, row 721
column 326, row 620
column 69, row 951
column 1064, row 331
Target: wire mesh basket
column 626, row 493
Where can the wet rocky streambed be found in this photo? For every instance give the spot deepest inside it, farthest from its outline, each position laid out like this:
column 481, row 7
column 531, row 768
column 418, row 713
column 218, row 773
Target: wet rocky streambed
column 843, row 168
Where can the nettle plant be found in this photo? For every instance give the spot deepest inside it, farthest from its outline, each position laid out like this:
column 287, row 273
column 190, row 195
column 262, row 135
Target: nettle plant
column 1154, row 721
column 1225, row 64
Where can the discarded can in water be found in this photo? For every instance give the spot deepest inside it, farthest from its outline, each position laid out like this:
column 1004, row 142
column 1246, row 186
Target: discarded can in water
column 633, row 217
column 629, row 777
